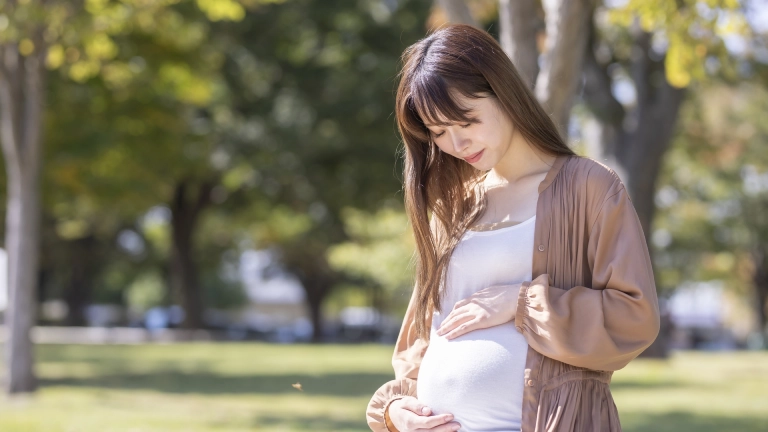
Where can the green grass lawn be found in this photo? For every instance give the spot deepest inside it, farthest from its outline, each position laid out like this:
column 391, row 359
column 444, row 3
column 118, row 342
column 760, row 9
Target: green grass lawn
column 247, row 387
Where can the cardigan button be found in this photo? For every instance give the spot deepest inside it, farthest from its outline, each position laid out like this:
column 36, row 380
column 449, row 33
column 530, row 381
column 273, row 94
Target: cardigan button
column 541, row 248
column 529, row 383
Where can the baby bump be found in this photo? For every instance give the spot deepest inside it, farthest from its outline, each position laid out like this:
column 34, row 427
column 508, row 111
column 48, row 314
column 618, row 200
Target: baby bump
column 477, row 377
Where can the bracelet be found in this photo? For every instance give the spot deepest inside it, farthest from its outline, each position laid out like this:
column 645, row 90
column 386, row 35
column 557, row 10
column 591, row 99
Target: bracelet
column 387, row 421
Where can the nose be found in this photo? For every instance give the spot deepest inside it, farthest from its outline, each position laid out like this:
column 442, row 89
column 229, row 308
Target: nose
column 459, row 142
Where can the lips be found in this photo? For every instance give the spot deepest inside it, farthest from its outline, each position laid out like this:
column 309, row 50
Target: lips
column 475, row 157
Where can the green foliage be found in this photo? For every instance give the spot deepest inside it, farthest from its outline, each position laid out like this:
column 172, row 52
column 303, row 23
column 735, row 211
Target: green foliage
column 379, row 250
column 693, row 32
column 345, row 295
column 146, row 291
column 221, row 293
column 306, row 128
column 710, row 211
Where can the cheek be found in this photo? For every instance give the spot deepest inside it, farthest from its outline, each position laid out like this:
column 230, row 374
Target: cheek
column 444, row 146
column 486, row 136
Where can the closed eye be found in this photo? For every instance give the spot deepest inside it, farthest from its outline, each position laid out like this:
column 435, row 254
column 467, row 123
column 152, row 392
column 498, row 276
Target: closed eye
column 462, row 126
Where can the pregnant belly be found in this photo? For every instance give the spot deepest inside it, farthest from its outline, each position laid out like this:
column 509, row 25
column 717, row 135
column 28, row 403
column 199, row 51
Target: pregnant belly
column 477, row 377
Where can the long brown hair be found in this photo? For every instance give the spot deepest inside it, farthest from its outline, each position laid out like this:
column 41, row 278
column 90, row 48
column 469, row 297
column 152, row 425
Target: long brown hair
column 465, row 59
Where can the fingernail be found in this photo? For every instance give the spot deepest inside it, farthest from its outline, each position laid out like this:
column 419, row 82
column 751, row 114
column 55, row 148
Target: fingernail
column 457, row 427
column 425, row 410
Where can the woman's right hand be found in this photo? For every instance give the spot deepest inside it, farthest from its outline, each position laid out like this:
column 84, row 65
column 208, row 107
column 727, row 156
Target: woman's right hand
column 409, row 415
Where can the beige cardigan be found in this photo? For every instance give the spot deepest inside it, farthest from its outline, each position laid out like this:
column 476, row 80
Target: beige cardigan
column 589, row 310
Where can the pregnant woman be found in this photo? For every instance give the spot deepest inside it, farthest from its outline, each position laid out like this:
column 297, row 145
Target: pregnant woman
column 533, row 278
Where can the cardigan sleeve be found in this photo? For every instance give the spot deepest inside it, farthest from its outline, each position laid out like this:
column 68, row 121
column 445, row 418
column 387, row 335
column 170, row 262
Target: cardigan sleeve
column 605, row 326
column 406, row 359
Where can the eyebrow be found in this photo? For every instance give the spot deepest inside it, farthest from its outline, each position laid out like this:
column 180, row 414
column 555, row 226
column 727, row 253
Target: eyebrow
column 472, row 120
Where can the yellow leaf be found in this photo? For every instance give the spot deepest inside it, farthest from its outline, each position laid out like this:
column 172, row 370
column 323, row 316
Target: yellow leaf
column 100, row 46
column 218, row 10
column 26, row 47
column 72, row 229
column 83, row 70
column 55, row 57
column 95, row 6
column 677, row 63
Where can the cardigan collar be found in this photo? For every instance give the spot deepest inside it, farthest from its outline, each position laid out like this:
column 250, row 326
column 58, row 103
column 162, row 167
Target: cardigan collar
column 553, row 170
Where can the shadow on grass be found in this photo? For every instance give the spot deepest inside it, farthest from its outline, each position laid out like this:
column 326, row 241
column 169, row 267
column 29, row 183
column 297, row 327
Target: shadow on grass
column 346, row 385
column 311, row 423
column 687, row 422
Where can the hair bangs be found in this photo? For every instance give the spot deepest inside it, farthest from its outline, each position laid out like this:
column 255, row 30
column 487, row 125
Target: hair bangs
column 431, row 100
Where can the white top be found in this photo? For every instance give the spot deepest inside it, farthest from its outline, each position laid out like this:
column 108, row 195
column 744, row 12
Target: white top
column 478, row 377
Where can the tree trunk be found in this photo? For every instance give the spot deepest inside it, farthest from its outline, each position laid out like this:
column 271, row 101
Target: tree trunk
column 760, row 279
column 519, row 29
column 458, row 12
column 316, row 277
column 184, row 279
column 83, row 264
column 316, row 289
column 316, row 316
column 21, row 103
column 567, row 27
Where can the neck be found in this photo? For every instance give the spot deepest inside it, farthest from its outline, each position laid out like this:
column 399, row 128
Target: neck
column 521, row 160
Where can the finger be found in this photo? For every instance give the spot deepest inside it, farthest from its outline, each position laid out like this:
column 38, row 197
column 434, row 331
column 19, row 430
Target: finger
column 462, row 329
column 447, row 427
column 428, row 423
column 460, row 303
column 413, row 405
column 451, row 323
column 456, row 311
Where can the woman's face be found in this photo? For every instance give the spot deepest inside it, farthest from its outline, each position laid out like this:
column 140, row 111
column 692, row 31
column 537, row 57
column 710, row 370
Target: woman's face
column 487, row 141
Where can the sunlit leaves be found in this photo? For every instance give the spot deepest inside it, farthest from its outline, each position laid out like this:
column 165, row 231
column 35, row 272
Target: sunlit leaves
column 55, row 56
column 117, row 74
column 695, row 32
column 145, row 291
column 100, row 46
column 281, row 225
column 84, row 69
column 713, row 221
column 380, row 248
column 239, row 176
column 678, row 62
column 218, row 10
column 26, row 47
column 184, row 84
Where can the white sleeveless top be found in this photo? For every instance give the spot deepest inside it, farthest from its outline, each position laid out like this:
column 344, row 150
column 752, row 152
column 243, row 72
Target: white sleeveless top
column 478, row 377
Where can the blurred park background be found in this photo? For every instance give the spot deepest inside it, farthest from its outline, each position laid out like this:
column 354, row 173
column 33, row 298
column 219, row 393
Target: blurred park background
column 204, row 225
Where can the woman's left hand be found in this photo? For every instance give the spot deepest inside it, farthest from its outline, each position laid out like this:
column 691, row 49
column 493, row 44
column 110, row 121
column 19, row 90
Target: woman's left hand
column 488, row 307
